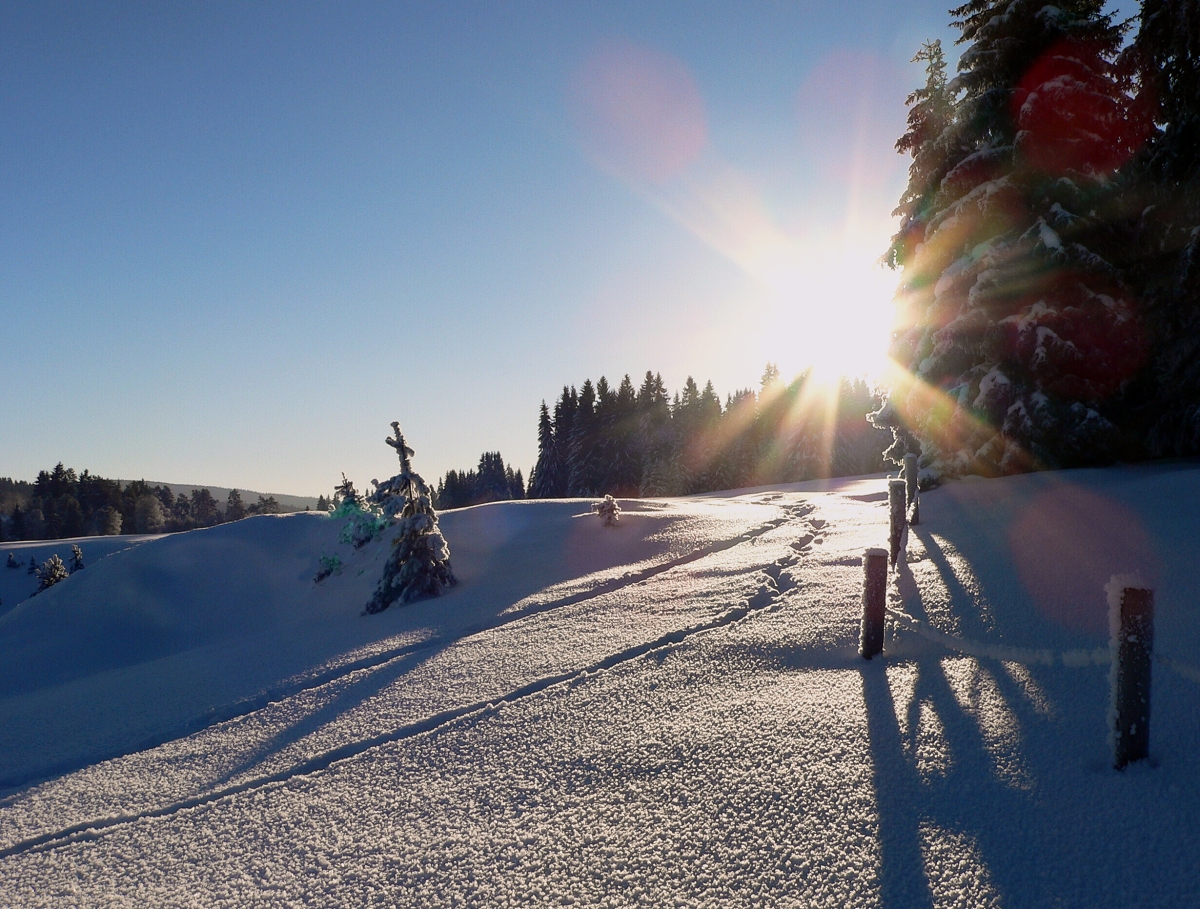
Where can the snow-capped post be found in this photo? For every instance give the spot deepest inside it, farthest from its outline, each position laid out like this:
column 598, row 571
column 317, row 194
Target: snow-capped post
column 910, row 489
column 1131, row 642
column 875, row 566
column 896, row 494
column 419, row 562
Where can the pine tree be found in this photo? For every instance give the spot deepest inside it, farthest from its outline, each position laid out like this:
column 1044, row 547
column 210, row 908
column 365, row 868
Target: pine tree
column 546, row 480
column 656, row 441
column 626, row 450
column 606, row 443
column 582, row 467
column 516, row 483
column 16, row 523
column 346, row 494
column 564, row 427
column 419, row 561
column 930, row 110
column 1165, row 55
column 1018, row 332
column 235, row 508
column 205, row 512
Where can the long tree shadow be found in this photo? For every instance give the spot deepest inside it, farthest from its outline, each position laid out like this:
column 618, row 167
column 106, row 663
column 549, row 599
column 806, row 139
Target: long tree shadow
column 969, row 619
column 352, row 693
column 897, row 796
column 966, row 792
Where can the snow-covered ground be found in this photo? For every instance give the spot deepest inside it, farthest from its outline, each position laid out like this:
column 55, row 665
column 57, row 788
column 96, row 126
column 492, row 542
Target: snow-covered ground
column 668, row 712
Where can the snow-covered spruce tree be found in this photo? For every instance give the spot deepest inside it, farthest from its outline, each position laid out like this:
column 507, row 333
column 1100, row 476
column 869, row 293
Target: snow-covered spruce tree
column 1016, row 330
column 419, row 562
column 76, row 559
column 930, row 115
column 1165, row 186
column 52, row 572
column 346, row 494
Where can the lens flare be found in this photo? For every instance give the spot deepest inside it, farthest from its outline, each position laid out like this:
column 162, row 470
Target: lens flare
column 639, row 112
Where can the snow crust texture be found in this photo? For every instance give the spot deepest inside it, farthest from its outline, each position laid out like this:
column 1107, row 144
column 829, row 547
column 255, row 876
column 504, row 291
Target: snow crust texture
column 669, row 712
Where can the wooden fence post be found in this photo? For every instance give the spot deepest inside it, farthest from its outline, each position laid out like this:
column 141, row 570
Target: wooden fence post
column 870, row 639
column 910, row 489
column 1131, row 629
column 896, row 494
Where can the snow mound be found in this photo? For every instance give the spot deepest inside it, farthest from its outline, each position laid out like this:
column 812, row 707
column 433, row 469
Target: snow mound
column 182, row 630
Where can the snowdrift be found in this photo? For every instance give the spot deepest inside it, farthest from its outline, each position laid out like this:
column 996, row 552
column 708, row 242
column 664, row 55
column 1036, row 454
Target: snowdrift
column 175, row 632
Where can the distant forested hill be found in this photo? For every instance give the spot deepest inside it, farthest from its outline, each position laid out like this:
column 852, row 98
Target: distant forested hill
column 62, row 503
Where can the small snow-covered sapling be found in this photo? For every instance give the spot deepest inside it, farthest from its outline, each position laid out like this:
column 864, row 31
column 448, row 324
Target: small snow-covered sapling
column 609, row 511
column 33, row 566
column 76, row 559
column 329, row 565
column 12, row 561
column 52, row 572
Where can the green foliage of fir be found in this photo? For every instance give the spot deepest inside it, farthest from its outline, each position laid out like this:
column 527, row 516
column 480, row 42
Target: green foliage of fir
column 1018, row 326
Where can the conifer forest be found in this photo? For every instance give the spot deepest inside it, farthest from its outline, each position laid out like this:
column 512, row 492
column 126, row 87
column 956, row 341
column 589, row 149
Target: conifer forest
column 61, row 504
column 1049, row 242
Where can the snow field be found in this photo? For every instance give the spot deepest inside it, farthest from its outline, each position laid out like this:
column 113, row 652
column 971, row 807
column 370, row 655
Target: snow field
column 685, row 728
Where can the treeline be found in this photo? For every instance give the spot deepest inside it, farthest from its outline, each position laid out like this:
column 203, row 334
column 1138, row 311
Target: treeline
column 61, row 504
column 491, row 481
column 646, row 442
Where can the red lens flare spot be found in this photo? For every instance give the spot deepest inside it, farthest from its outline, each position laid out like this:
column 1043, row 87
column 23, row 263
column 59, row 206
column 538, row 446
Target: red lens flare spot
column 639, row 112
column 1067, row 543
column 1071, row 116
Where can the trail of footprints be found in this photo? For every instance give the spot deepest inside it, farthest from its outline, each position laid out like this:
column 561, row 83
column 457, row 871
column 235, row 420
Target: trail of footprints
column 776, row 582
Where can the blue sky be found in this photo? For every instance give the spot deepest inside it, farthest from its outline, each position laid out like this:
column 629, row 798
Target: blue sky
column 240, row 239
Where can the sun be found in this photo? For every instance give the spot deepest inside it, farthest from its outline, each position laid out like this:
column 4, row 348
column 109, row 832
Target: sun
column 831, row 315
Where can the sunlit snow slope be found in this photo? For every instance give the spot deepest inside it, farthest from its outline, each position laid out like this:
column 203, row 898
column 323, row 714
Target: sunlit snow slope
column 668, row 712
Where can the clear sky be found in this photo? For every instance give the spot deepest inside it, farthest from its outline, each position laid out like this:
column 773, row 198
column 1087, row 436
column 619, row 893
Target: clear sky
column 237, row 240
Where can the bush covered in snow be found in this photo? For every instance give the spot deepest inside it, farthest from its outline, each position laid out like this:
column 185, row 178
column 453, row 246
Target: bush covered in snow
column 330, row 564
column 52, row 572
column 609, row 511
column 365, row 520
